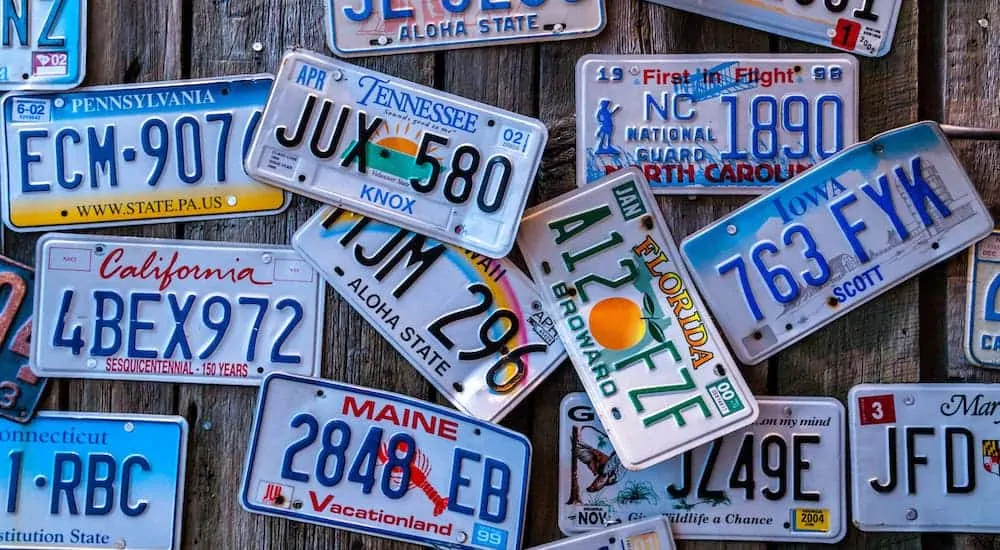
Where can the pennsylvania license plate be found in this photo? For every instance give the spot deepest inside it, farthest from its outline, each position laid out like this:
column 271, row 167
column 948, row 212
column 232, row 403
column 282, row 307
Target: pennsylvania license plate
column 127, row 308
column 982, row 332
column 20, row 388
column 134, row 154
column 472, row 325
column 834, row 238
column 44, row 44
column 319, row 453
column 647, row 534
column 402, row 153
column 700, row 124
column 637, row 332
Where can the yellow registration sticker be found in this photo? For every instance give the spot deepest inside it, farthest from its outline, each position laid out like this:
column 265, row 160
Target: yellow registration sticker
column 644, row 541
column 811, row 519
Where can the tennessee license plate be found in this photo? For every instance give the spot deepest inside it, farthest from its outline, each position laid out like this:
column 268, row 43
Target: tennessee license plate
column 636, row 330
column 431, row 162
column 647, row 534
column 20, row 388
column 319, row 453
column 472, row 325
column 44, row 44
column 127, row 308
column 846, row 231
column 134, row 154
column 727, row 124
column 982, row 332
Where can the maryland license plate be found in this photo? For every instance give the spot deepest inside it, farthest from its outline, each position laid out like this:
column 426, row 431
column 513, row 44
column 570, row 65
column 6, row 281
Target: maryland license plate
column 637, row 332
column 982, row 332
column 20, row 388
column 319, row 453
column 846, row 231
column 647, row 534
column 402, row 153
column 127, row 308
column 727, row 124
column 44, row 44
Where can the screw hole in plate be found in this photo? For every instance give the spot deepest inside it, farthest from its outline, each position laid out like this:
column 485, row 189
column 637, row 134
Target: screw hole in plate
column 720, row 370
column 458, row 387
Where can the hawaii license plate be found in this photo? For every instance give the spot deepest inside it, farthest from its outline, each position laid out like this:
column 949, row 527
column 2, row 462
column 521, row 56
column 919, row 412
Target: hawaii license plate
column 134, row 154
column 710, row 123
column 982, row 332
column 487, row 346
column 661, row 379
column 834, row 238
column 319, row 453
column 44, row 44
column 20, row 389
column 431, row 162
column 128, row 308
column 647, row 534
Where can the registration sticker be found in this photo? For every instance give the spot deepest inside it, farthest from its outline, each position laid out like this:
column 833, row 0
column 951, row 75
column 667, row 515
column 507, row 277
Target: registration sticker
column 20, row 388
column 646, row 534
column 44, row 44
column 982, row 333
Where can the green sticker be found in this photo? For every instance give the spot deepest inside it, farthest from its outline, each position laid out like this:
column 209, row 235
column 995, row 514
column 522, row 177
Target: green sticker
column 724, row 395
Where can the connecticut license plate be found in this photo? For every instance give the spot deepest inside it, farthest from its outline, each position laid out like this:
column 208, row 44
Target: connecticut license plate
column 399, row 152
column 982, row 332
column 20, row 388
column 637, row 332
column 834, row 238
column 127, row 308
column 319, row 453
column 44, row 44
column 727, row 124
column 647, row 534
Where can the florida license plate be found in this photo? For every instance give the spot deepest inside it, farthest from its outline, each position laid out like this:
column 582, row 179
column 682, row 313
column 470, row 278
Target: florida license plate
column 402, row 153
column 127, row 308
column 647, row 534
column 20, row 388
column 44, row 44
column 982, row 331
column 134, row 154
column 726, row 124
column 636, row 330
column 319, row 453
column 846, row 231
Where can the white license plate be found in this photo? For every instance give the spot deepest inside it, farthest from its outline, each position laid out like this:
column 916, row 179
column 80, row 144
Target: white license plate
column 661, row 379
column 472, row 325
column 846, row 231
column 982, row 331
column 44, row 44
column 431, row 162
column 711, row 123
column 383, row 464
column 647, row 534
column 127, row 308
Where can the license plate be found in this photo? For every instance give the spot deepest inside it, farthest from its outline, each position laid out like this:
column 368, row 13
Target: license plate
column 701, row 124
column 982, row 333
column 472, row 325
column 635, row 329
column 463, row 485
column 431, row 162
column 846, row 231
column 648, row 534
column 134, row 154
column 20, row 388
column 127, row 308
column 44, row 44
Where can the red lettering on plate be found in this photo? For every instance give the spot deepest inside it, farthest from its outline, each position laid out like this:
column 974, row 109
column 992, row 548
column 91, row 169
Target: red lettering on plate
column 401, row 416
column 317, row 505
column 877, row 409
column 110, row 268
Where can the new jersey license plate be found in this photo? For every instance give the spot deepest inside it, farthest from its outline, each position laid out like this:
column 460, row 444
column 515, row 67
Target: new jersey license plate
column 127, row 308
column 699, row 124
column 647, row 534
column 383, row 464
column 982, row 331
column 431, row 162
column 20, row 388
column 834, row 238
column 44, row 44
column 636, row 330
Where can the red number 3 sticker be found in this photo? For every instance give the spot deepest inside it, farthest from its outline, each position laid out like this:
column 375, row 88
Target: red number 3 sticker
column 846, row 34
column 877, row 409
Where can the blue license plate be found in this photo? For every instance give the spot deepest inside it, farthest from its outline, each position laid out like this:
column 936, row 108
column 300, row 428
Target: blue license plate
column 20, row 388
column 44, row 44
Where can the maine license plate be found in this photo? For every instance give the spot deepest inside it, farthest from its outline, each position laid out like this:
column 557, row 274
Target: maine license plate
column 982, row 332
column 647, row 534
column 699, row 124
column 637, row 332
column 834, row 238
column 421, row 159
column 173, row 311
column 134, row 154
column 383, row 464
column 472, row 325
column 44, row 44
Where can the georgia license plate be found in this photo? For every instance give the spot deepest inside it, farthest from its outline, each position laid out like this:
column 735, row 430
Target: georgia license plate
column 647, row 534
column 431, row 162
column 319, row 453
column 700, row 124
column 472, row 325
column 20, row 388
column 982, row 332
column 44, row 44
column 127, row 308
column 134, row 154
column 641, row 340
column 834, row 238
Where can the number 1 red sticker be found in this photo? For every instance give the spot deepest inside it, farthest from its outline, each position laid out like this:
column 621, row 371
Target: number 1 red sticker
column 846, row 34
column 877, row 409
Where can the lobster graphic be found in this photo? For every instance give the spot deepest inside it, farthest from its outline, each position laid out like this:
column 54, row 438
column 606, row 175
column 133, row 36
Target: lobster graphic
column 420, row 468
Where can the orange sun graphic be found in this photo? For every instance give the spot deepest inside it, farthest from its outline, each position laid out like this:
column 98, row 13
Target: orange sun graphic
column 403, row 140
column 617, row 323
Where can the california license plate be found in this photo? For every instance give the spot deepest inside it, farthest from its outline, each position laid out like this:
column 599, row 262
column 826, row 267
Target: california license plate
column 647, row 534
column 710, row 123
column 127, row 308
column 134, row 154
column 319, row 453
column 637, row 332
column 20, row 388
column 846, row 231
column 431, row 162
column 982, row 331
column 44, row 44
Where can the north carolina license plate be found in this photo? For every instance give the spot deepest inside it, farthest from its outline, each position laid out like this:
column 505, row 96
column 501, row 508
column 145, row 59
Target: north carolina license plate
column 383, row 464
column 636, row 330
column 472, row 325
column 700, row 124
column 431, row 162
column 872, row 216
column 982, row 332
column 20, row 388
column 128, row 308
column 44, row 44
column 647, row 534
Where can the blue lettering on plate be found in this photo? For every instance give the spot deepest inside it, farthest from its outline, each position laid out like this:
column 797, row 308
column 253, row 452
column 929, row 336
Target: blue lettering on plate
column 311, row 77
column 382, row 93
column 380, row 196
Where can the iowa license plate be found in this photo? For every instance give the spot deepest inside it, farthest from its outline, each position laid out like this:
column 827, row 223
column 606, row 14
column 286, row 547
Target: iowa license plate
column 20, row 388
column 383, row 464
column 637, row 332
column 647, row 534
column 44, row 44
column 126, row 308
column 982, row 332
column 834, row 238
column 727, row 124
column 402, row 153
